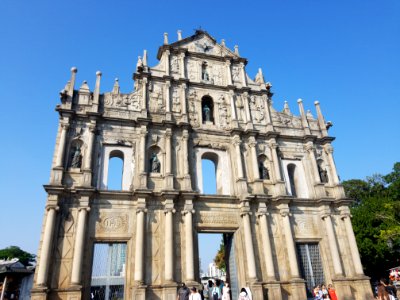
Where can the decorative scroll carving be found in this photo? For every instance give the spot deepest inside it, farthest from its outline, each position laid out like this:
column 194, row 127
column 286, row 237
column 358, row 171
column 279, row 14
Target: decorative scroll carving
column 303, row 225
column 125, row 101
column 174, row 64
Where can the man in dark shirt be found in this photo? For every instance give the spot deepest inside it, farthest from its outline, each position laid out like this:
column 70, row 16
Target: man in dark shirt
column 183, row 293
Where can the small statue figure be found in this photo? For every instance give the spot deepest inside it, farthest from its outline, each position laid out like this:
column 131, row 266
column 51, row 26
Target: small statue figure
column 204, row 73
column 323, row 174
column 264, row 174
column 139, row 65
column 206, row 113
column 155, row 165
column 76, row 160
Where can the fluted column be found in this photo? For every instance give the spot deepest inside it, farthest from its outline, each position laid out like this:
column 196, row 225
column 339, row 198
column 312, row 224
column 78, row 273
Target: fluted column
column 139, row 243
column 169, row 241
column 61, row 144
column 290, row 245
column 76, row 274
column 167, row 96
column 337, row 267
column 188, row 214
column 273, row 145
column 142, row 164
column 329, row 153
column 43, row 267
column 266, row 242
column 345, row 215
column 251, row 262
column 168, row 157
column 183, row 98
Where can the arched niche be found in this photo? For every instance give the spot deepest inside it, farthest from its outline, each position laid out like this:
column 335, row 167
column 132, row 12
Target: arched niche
column 120, row 152
column 115, row 170
column 75, row 156
column 223, row 172
column 295, row 179
column 207, row 109
column 264, row 167
column 322, row 171
column 155, row 160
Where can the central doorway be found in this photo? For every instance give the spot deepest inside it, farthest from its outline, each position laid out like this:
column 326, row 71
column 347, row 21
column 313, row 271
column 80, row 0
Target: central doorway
column 217, row 260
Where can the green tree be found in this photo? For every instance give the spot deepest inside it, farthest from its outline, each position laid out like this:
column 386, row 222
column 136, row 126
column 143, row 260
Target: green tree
column 16, row 252
column 376, row 212
column 219, row 259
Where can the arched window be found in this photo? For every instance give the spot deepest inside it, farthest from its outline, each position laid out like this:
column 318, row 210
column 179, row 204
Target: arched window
column 207, row 108
column 209, row 166
column 115, row 170
column 291, row 168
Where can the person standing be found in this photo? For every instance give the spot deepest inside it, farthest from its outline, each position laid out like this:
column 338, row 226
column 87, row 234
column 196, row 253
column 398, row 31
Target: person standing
column 324, row 290
column 194, row 295
column 382, row 292
column 183, row 292
column 226, row 292
column 243, row 295
column 332, row 292
column 216, row 292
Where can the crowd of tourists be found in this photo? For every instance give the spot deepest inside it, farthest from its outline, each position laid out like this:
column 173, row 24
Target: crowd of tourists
column 322, row 292
column 212, row 290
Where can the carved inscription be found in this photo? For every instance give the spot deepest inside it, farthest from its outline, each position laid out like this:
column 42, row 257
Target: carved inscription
column 112, row 223
column 208, row 218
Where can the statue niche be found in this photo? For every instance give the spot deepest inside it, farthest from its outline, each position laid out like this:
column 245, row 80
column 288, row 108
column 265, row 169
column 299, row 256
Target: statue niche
column 154, row 163
column 262, row 169
column 323, row 174
column 76, row 155
column 207, row 108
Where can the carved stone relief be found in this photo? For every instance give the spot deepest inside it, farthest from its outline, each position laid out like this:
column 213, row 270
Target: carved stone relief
column 114, row 222
column 224, row 113
column 217, row 219
column 174, row 64
column 257, row 109
column 241, row 114
column 176, row 101
column 156, row 99
column 193, row 116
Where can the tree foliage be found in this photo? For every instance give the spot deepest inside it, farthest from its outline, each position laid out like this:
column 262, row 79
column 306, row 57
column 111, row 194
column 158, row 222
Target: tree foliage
column 219, row 259
column 16, row 252
column 376, row 216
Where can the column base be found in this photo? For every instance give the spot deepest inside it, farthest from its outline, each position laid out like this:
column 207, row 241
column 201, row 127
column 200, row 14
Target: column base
column 298, row 288
column 357, row 289
column 39, row 293
column 256, row 289
column 169, row 182
column 138, row 292
column 258, row 187
column 241, row 187
column 170, row 290
column 57, row 176
column 187, row 183
column 319, row 190
column 87, row 178
column 279, row 189
column 272, row 290
column 143, row 180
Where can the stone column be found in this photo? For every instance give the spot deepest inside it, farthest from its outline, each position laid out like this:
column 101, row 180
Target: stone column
column 228, row 72
column 309, row 147
column 268, row 113
column 96, row 93
column 329, row 152
column 61, row 144
column 169, row 240
column 243, row 71
column 188, row 215
column 185, row 140
column 167, row 53
column 45, row 252
column 167, row 92
column 233, row 109
column 266, row 242
column 246, row 107
column 290, row 245
column 252, row 144
column 142, row 165
column 337, row 267
column 169, row 177
column 139, row 243
column 251, row 263
column 273, row 145
column 183, row 101
column 76, row 273
column 88, row 157
column 345, row 215
column 304, row 121
column 144, row 100
column 182, row 59
column 236, row 143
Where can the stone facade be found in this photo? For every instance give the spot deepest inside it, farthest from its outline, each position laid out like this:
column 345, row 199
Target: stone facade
column 277, row 185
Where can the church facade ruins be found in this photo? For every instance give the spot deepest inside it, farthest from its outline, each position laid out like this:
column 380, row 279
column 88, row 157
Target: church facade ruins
column 278, row 196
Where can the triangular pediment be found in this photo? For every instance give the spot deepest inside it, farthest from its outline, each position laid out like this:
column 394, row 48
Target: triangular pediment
column 202, row 42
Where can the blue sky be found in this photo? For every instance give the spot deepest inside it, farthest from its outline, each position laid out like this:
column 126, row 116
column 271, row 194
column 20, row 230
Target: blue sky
column 343, row 53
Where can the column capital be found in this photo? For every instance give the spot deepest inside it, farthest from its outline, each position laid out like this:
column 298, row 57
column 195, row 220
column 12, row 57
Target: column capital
column 168, row 133
column 92, row 126
column 228, row 62
column 262, row 210
column 65, row 126
column 87, row 209
column 245, row 212
column 168, row 84
column 326, row 215
column 345, row 215
column 285, row 212
column 141, row 209
column 187, row 211
column 169, row 210
column 328, row 148
column 273, row 144
column 52, row 207
column 309, row 146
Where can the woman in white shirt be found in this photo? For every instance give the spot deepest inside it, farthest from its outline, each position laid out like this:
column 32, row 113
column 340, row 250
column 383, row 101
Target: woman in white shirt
column 194, row 295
